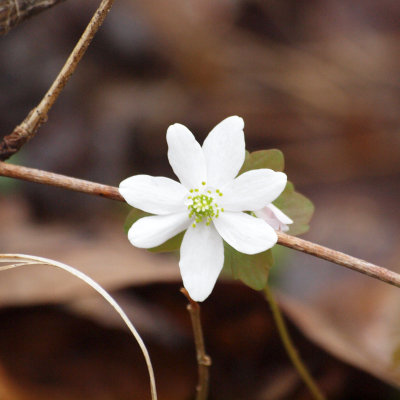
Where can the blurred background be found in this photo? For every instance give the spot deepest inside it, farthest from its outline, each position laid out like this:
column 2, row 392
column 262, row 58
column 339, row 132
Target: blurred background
column 320, row 80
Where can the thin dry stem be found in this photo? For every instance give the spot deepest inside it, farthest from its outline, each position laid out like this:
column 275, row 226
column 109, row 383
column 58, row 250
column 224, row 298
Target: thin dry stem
column 13, row 142
column 203, row 360
column 110, row 192
column 20, row 260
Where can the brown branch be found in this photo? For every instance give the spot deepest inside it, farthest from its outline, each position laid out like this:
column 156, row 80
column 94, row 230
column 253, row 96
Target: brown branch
column 62, row 181
column 110, row 192
column 339, row 258
column 203, row 360
column 13, row 12
column 12, row 143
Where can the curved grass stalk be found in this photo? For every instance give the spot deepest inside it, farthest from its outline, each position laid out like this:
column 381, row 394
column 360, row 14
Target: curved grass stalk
column 290, row 347
column 19, row 260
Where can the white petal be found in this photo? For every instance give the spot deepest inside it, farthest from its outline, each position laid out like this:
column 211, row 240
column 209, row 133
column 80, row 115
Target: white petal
column 186, row 156
column 202, row 259
column 252, row 190
column 274, row 217
column 246, row 234
column 152, row 231
column 224, row 149
column 155, row 195
column 280, row 215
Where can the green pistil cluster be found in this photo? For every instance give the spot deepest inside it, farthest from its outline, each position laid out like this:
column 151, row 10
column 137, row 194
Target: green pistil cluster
column 203, row 206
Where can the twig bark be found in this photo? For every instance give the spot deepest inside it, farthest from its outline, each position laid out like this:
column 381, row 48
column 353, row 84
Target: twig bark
column 12, row 143
column 203, row 360
column 62, row 181
column 110, row 192
column 13, row 12
column 290, row 347
column 339, row 258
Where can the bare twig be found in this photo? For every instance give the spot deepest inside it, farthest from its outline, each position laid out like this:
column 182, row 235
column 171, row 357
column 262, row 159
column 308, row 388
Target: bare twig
column 66, row 182
column 339, row 258
column 13, row 12
column 290, row 347
column 110, row 192
column 203, row 360
column 27, row 129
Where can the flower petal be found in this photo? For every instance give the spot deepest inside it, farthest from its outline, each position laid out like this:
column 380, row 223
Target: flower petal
column 202, row 259
column 155, row 195
column 280, row 215
column 247, row 234
column 252, row 190
column 186, row 156
column 152, row 231
column 274, row 217
column 224, row 149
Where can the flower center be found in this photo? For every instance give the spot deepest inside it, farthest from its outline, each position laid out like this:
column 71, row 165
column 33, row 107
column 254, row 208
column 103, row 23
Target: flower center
column 202, row 205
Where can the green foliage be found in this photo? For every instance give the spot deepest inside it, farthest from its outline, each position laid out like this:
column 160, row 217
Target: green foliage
column 252, row 270
column 296, row 206
column 272, row 159
column 292, row 203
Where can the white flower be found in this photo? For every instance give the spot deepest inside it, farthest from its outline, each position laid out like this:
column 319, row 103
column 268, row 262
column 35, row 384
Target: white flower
column 274, row 217
column 209, row 203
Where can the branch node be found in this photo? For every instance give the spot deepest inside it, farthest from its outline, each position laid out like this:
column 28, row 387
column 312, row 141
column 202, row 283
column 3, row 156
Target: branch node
column 13, row 142
column 205, row 360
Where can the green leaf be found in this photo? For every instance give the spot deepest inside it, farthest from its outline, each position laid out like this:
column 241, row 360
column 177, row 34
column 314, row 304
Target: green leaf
column 252, row 270
column 272, row 159
column 296, row 206
column 172, row 244
column 293, row 204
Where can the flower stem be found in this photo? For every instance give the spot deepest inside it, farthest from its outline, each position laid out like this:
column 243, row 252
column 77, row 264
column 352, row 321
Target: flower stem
column 203, row 360
column 290, row 348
